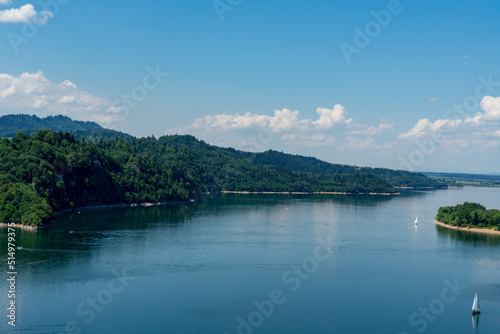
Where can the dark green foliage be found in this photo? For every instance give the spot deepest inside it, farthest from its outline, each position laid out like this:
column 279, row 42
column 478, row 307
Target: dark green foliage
column 469, row 214
column 54, row 171
column 19, row 203
column 10, row 125
column 297, row 163
column 214, row 168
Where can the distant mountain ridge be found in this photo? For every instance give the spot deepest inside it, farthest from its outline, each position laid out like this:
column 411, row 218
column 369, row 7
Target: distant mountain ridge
column 52, row 171
column 31, row 124
column 10, row 125
column 82, row 164
column 298, row 163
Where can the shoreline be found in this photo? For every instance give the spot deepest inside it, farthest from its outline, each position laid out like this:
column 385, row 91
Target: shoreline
column 484, row 230
column 303, row 193
column 32, row 228
column 123, row 205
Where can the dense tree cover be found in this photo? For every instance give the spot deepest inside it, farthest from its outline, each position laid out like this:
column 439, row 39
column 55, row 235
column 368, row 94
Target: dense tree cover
column 84, row 164
column 469, row 214
column 214, row 168
column 10, row 125
column 297, row 163
column 53, row 171
column 97, row 135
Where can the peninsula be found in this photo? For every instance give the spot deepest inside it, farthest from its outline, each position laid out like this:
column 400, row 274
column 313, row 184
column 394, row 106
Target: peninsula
column 472, row 217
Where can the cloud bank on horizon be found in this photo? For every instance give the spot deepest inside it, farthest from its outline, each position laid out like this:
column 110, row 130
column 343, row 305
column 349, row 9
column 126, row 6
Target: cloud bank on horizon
column 453, row 138
column 333, row 128
column 286, row 124
column 33, row 93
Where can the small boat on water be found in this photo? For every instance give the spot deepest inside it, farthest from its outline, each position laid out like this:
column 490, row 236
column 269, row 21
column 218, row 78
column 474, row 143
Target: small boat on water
column 475, row 305
column 416, row 221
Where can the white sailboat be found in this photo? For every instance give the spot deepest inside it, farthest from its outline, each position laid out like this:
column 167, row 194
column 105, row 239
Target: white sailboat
column 416, row 221
column 475, row 305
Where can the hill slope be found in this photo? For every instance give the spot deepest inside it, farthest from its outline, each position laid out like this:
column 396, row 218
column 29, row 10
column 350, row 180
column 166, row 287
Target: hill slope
column 297, row 163
column 31, row 124
column 10, row 125
column 53, row 171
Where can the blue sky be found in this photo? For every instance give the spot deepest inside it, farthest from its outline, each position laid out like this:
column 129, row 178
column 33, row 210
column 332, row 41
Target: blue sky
column 420, row 92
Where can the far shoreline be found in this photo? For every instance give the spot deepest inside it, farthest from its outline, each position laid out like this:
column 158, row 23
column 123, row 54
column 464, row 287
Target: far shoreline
column 302, row 193
column 468, row 229
column 33, row 228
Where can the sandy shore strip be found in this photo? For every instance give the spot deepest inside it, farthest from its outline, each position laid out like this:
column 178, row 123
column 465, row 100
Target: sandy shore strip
column 468, row 229
column 30, row 228
column 303, row 193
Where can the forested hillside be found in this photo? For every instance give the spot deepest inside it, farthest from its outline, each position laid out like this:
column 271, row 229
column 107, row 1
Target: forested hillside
column 211, row 165
column 31, row 124
column 53, row 171
column 83, row 164
column 10, row 125
column 297, row 163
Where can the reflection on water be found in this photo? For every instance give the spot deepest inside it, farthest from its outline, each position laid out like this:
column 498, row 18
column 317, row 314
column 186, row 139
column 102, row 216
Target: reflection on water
column 278, row 199
column 469, row 238
column 198, row 267
column 475, row 322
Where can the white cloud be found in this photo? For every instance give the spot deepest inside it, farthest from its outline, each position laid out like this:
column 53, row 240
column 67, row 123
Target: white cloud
column 451, row 140
column 34, row 93
column 244, row 131
column 282, row 120
column 372, row 130
column 491, row 106
column 5, row 2
column 309, row 140
column 331, row 117
column 433, row 99
column 490, row 116
column 24, row 14
column 463, row 57
column 426, row 127
column 354, row 143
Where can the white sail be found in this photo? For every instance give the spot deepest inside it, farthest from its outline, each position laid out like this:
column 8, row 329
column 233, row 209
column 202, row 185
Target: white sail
column 416, row 221
column 475, row 304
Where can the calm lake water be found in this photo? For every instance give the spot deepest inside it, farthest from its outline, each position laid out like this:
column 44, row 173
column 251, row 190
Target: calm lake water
column 259, row 264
